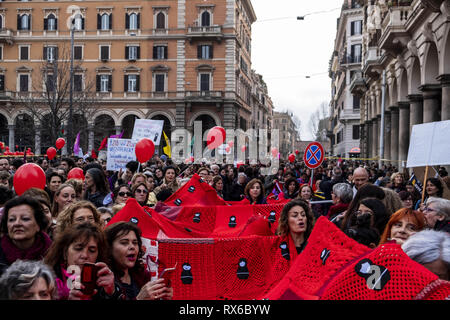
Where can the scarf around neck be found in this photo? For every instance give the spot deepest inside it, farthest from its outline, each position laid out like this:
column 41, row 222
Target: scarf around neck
column 36, row 252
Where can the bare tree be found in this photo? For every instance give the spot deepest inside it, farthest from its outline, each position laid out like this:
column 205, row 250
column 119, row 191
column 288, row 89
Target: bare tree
column 49, row 100
column 315, row 120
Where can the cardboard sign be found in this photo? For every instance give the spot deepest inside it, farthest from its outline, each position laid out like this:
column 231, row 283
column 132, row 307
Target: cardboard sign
column 120, row 152
column 145, row 128
column 429, row 145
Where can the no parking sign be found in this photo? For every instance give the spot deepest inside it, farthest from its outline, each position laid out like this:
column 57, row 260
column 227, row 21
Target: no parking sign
column 314, row 155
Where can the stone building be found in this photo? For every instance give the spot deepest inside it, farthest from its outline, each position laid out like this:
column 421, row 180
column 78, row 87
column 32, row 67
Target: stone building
column 288, row 134
column 172, row 60
column 409, row 43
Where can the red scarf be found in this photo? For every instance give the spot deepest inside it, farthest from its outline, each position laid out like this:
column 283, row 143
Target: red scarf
column 36, row 252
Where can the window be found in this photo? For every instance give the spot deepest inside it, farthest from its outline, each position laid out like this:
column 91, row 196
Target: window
column 104, row 83
column 1, row 22
column 23, row 82
column 77, row 52
column 355, row 132
column 205, row 82
column 132, row 21
column 160, row 82
column 206, row 19
column 2, row 82
column 160, row 52
column 104, row 21
column 356, row 51
column 50, row 23
column 50, row 54
column 1, row 53
column 356, row 101
column 205, row 52
column 104, row 53
column 160, row 21
column 356, row 27
column 132, row 53
column 131, row 83
column 23, row 22
column 78, row 22
column 50, row 83
column 24, row 53
column 77, row 82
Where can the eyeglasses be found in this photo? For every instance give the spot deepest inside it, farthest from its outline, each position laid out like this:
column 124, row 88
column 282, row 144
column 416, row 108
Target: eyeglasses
column 122, row 194
column 427, row 209
column 141, row 191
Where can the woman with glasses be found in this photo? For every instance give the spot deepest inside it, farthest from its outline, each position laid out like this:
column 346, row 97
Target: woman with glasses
column 403, row 224
column 76, row 213
column 140, row 193
column 437, row 214
column 121, row 194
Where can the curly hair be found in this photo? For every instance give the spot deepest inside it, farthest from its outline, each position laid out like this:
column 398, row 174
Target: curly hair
column 65, row 218
column 283, row 224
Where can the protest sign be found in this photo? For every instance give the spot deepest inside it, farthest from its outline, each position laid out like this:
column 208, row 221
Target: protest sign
column 145, row 128
column 120, row 152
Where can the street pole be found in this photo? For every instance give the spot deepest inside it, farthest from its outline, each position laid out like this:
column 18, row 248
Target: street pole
column 70, row 124
column 383, row 102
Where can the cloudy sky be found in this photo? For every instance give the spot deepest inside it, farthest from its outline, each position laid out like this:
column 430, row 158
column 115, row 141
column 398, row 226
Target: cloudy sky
column 286, row 50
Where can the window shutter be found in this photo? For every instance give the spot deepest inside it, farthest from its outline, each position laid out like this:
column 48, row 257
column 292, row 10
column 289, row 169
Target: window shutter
column 29, row 22
column 352, row 28
column 125, row 83
column 138, row 20
column 97, row 82
column 166, row 49
column 211, row 55
column 2, row 82
column 56, row 23
column 45, row 24
column 127, row 52
column 138, row 52
column 199, row 52
column 19, row 24
column 138, row 83
column 99, row 21
column 109, row 83
column 44, row 53
column 127, row 21
column 82, row 23
column 56, row 53
column 110, row 21
column 155, row 52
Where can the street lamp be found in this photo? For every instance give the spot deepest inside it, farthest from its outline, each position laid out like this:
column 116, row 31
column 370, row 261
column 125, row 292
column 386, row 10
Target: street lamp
column 70, row 124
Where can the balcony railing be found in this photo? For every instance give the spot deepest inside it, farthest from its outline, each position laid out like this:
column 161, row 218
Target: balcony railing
column 351, row 59
column 202, row 32
column 395, row 18
column 6, row 35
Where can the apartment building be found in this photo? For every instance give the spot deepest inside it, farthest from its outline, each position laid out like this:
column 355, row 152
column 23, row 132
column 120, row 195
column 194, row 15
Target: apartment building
column 287, row 130
column 173, row 60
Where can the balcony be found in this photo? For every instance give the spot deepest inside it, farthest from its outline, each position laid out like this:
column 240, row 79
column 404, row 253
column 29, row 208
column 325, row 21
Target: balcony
column 393, row 29
column 357, row 84
column 202, row 33
column 6, row 36
column 372, row 64
column 349, row 59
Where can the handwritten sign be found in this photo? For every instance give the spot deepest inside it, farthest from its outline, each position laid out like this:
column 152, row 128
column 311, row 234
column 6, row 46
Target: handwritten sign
column 120, row 152
column 151, row 129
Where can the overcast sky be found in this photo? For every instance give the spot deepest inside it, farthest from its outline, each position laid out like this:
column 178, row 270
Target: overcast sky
column 286, row 50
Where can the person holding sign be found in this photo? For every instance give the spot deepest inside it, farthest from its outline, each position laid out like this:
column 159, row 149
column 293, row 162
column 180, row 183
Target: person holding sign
column 124, row 239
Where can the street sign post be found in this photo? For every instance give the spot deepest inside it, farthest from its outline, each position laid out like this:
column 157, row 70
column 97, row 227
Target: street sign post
column 313, row 157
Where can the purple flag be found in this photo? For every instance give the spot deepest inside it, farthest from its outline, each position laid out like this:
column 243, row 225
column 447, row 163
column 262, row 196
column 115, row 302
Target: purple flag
column 76, row 146
column 117, row 136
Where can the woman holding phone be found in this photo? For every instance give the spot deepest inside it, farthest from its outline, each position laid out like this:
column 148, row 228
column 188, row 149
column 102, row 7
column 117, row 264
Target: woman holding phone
column 125, row 245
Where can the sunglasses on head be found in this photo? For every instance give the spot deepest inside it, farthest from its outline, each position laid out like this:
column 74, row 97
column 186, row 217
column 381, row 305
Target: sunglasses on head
column 141, row 191
column 122, row 194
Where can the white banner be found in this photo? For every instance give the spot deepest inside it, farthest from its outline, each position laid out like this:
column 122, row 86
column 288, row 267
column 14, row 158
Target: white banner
column 429, row 145
column 120, row 152
column 145, row 128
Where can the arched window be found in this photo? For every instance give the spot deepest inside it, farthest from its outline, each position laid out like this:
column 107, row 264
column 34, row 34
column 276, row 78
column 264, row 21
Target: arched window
column 78, row 22
column 51, row 22
column 133, row 21
column 160, row 21
column 105, row 22
column 206, row 19
column 24, row 22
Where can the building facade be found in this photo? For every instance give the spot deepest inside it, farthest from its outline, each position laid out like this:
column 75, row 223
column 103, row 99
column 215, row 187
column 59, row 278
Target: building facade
column 345, row 63
column 173, row 60
column 288, row 134
column 408, row 44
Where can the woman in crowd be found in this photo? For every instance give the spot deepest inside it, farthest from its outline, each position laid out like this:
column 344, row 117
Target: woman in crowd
column 28, row 280
column 295, row 225
column 121, row 194
column 433, row 188
column 138, row 178
column 254, row 192
column 125, row 253
column 151, row 195
column 341, row 196
column 42, row 197
column 76, row 213
column 305, row 192
column 407, row 199
column 291, row 189
column 403, row 224
column 105, row 215
column 217, row 184
column 391, row 200
column 374, row 211
column 140, row 193
column 437, row 214
column 397, row 181
column 78, row 186
column 22, row 228
column 431, row 249
column 54, row 180
column 96, row 187
column 64, row 196
column 169, row 181
column 159, row 176
column 77, row 245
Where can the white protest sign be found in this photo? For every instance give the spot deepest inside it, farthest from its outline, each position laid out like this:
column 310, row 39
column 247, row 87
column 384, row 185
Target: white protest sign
column 145, row 128
column 429, row 144
column 120, row 152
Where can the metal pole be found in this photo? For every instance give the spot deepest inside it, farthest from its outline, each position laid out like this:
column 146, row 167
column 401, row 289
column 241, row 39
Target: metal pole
column 70, row 124
column 383, row 98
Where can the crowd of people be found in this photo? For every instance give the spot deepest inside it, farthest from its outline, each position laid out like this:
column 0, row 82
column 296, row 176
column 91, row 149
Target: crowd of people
column 48, row 236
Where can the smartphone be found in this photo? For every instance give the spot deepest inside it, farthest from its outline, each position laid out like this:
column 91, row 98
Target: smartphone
column 89, row 278
column 167, row 273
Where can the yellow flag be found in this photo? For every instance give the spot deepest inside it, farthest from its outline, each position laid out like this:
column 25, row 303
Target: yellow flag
column 166, row 148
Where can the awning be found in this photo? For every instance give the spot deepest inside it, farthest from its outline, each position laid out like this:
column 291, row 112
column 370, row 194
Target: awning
column 355, row 150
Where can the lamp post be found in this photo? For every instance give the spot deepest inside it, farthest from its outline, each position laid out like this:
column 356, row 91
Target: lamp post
column 70, row 122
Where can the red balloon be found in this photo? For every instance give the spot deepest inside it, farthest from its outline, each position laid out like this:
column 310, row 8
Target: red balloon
column 274, row 152
column 231, row 143
column 76, row 173
column 291, row 158
column 216, row 136
column 17, row 147
column 51, row 153
column 144, row 150
column 60, row 142
column 29, row 175
column 297, row 152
